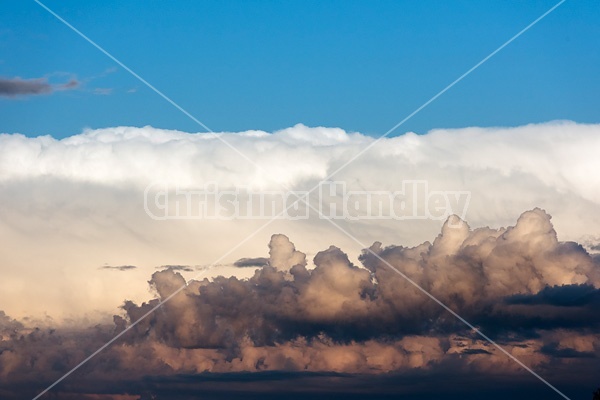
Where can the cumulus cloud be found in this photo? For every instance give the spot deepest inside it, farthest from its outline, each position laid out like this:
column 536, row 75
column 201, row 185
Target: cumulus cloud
column 536, row 295
column 94, row 184
column 15, row 87
column 488, row 275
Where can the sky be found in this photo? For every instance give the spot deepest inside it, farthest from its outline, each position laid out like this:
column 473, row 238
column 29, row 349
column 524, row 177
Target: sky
column 270, row 65
column 143, row 257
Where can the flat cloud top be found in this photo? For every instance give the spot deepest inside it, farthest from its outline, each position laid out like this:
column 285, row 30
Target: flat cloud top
column 561, row 155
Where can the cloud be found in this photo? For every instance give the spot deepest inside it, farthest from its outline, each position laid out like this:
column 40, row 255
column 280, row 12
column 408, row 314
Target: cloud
column 534, row 294
column 560, row 296
column 8, row 326
column 20, row 87
column 543, row 283
column 94, row 183
column 185, row 268
column 251, row 262
column 483, row 268
column 16, row 87
column 119, row 267
column 333, row 317
column 71, row 84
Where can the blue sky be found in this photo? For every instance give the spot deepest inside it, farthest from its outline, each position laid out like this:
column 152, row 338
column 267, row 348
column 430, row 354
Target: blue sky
column 358, row 65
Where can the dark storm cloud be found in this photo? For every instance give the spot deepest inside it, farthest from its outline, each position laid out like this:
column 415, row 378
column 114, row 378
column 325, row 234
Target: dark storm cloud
column 572, row 307
column 507, row 280
column 537, row 295
column 553, row 349
column 15, row 87
column 251, row 262
column 275, row 385
column 560, row 296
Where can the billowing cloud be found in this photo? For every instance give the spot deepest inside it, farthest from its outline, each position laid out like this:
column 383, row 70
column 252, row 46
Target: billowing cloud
column 15, row 87
column 487, row 275
column 535, row 295
column 94, row 184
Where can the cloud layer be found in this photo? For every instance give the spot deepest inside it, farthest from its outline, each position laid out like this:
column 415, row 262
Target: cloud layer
column 72, row 205
column 535, row 295
column 484, row 274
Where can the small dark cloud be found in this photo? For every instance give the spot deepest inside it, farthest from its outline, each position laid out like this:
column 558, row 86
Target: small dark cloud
column 119, row 267
column 251, row 262
column 17, row 87
column 185, row 268
column 22, row 87
column 474, row 351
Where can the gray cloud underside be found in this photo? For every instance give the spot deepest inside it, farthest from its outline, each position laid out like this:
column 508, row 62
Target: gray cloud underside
column 14, row 87
column 537, row 296
column 103, row 173
column 251, row 262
